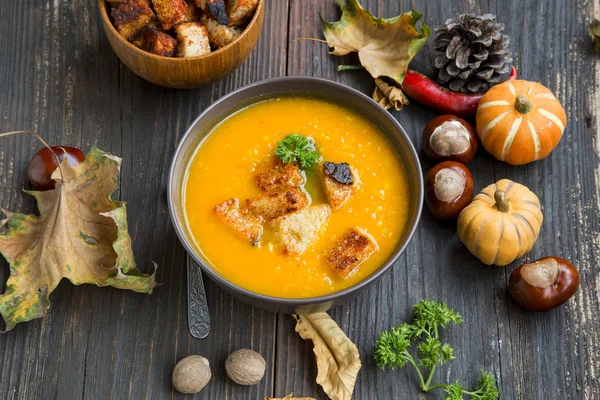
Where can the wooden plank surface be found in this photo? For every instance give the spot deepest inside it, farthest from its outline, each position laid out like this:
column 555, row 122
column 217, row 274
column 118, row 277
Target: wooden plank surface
column 60, row 77
column 99, row 343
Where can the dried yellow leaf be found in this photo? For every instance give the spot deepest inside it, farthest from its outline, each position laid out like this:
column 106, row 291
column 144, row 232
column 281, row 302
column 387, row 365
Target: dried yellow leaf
column 385, row 46
column 81, row 234
column 338, row 360
column 289, row 397
column 388, row 96
column 595, row 32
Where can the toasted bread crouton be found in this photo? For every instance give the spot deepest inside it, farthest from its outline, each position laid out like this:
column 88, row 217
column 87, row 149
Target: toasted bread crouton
column 169, row 12
column 214, row 8
column 137, row 41
column 193, row 39
column 190, row 13
column 279, row 176
column 246, row 225
column 156, row 42
column 130, row 16
column 275, row 204
column 298, row 230
column 340, row 182
column 219, row 35
column 240, row 11
column 351, row 250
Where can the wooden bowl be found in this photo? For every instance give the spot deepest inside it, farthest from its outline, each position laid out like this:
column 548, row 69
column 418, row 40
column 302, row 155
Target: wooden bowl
column 188, row 72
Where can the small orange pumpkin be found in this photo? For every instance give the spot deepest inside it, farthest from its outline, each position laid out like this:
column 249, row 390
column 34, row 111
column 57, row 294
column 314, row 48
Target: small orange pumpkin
column 502, row 223
column 520, row 121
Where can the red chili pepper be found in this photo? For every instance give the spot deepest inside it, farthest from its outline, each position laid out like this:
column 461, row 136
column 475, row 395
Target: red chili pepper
column 429, row 93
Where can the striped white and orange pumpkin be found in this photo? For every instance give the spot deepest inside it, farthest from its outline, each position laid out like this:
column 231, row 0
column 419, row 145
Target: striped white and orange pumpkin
column 502, row 223
column 520, row 121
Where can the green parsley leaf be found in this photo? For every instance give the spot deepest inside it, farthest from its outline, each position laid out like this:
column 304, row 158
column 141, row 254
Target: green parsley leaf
column 391, row 347
column 454, row 391
column 392, row 350
column 429, row 315
column 487, row 389
column 447, row 353
column 431, row 353
column 297, row 148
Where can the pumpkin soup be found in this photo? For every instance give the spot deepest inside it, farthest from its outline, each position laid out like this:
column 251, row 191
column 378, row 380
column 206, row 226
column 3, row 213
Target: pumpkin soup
column 270, row 227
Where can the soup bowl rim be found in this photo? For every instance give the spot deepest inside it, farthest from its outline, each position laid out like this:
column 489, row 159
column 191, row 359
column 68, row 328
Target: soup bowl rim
column 259, row 298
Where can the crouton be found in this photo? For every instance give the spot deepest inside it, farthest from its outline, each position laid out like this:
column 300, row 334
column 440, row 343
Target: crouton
column 130, row 16
column 154, row 23
column 137, row 41
column 240, row 11
column 272, row 205
column 298, row 230
column 246, row 225
column 214, row 8
column 351, row 250
column 156, row 42
column 169, row 12
column 193, row 39
column 340, row 182
column 190, row 13
column 279, row 176
column 219, row 35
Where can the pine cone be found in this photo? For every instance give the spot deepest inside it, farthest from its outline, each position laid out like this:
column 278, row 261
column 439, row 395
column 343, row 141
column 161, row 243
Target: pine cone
column 474, row 53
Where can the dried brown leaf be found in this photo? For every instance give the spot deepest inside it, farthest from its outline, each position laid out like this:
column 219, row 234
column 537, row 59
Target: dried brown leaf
column 338, row 360
column 595, row 32
column 385, row 47
column 289, row 397
column 81, row 234
column 388, row 96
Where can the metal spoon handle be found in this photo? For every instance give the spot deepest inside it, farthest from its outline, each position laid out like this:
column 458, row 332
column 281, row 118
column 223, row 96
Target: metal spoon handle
column 198, row 317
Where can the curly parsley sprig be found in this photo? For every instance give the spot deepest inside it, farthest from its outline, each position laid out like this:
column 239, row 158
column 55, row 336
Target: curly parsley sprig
column 297, row 148
column 392, row 351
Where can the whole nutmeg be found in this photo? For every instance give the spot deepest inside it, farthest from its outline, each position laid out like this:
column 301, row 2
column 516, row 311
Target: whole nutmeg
column 448, row 189
column 544, row 284
column 245, row 367
column 449, row 138
column 191, row 374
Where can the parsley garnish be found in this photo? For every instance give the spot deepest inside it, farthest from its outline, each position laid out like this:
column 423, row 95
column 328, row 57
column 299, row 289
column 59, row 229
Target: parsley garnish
column 392, row 350
column 297, row 148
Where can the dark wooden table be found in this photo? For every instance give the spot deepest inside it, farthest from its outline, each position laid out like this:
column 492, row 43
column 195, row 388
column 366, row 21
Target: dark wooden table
column 60, row 77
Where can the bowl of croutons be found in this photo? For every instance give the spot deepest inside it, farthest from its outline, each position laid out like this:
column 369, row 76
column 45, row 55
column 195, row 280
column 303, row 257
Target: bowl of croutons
column 182, row 43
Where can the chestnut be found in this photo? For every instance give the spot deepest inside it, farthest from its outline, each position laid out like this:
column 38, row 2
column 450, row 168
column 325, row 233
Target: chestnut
column 44, row 163
column 449, row 138
column 449, row 189
column 544, row 284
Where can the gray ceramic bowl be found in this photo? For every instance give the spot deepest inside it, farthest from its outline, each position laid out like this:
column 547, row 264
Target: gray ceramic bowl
column 314, row 87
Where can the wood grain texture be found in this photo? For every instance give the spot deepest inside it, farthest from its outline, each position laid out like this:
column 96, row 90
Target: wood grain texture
column 60, row 77
column 534, row 356
column 99, row 343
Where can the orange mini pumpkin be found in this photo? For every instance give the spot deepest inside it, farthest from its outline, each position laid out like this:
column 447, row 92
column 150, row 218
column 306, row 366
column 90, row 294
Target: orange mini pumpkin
column 520, row 121
column 502, row 223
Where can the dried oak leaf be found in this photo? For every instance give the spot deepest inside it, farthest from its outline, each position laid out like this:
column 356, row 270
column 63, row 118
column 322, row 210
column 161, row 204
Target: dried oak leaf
column 80, row 234
column 385, row 46
column 289, row 397
column 338, row 360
